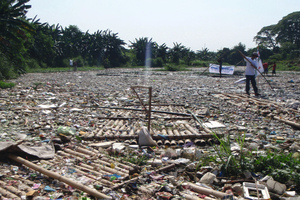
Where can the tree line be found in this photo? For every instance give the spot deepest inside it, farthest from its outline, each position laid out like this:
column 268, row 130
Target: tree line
column 28, row 43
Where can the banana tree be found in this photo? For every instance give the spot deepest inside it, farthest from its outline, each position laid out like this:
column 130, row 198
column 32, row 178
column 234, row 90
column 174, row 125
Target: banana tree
column 13, row 30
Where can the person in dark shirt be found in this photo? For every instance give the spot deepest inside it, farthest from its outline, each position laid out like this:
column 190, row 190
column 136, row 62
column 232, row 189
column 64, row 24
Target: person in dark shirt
column 266, row 65
column 274, row 69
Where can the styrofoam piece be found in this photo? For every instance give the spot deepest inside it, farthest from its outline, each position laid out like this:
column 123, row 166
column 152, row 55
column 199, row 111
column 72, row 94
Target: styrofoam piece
column 262, row 191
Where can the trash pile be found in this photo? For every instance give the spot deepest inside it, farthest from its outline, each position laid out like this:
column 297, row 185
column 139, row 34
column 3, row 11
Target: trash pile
column 89, row 135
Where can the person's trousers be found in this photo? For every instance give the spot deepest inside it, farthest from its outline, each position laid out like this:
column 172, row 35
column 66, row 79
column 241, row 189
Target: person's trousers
column 251, row 78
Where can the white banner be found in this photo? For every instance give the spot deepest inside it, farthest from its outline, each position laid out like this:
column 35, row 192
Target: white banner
column 214, row 68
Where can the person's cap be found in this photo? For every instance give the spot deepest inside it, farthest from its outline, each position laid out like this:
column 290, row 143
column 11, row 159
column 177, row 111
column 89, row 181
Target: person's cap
column 255, row 54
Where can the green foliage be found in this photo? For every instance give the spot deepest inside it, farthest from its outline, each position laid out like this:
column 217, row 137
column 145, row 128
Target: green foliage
column 287, row 29
column 158, row 62
column 267, row 37
column 173, row 68
column 63, row 69
column 205, row 55
column 33, row 64
column 200, row 63
column 13, row 34
column 37, row 85
column 79, row 60
column 4, row 85
column 282, row 167
column 289, row 65
column 139, row 47
column 6, row 68
column 284, row 34
column 136, row 158
column 231, row 164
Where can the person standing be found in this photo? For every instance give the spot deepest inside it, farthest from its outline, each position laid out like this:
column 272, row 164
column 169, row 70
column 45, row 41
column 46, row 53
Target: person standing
column 266, row 66
column 274, row 69
column 71, row 63
column 220, row 61
column 251, row 66
column 75, row 66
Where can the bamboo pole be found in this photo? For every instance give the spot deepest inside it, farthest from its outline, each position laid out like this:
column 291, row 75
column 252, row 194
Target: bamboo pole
column 25, row 181
column 108, row 169
column 62, row 153
column 12, row 189
column 101, row 180
column 82, row 155
column 8, row 194
column 294, row 124
column 206, row 191
column 27, row 188
column 108, row 164
column 189, row 196
column 124, row 166
column 125, row 183
column 166, row 168
column 154, row 111
column 100, row 133
column 191, row 129
column 86, row 151
column 157, row 137
column 51, row 174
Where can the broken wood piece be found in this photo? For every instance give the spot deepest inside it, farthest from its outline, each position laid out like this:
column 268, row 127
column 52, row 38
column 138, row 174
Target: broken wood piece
column 54, row 175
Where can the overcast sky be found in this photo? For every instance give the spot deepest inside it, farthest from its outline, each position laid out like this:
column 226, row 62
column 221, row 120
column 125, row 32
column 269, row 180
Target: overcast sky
column 196, row 24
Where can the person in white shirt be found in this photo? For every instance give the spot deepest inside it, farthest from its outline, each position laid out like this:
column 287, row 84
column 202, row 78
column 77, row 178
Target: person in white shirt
column 250, row 73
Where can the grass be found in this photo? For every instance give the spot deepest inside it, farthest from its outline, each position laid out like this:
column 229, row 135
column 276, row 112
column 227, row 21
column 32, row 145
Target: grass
column 4, row 85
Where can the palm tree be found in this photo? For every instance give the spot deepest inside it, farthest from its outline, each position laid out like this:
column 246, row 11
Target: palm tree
column 139, row 47
column 176, row 52
column 113, row 49
column 162, row 51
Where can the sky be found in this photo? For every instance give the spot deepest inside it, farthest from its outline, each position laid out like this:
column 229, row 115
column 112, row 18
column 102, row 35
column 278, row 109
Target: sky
column 195, row 24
